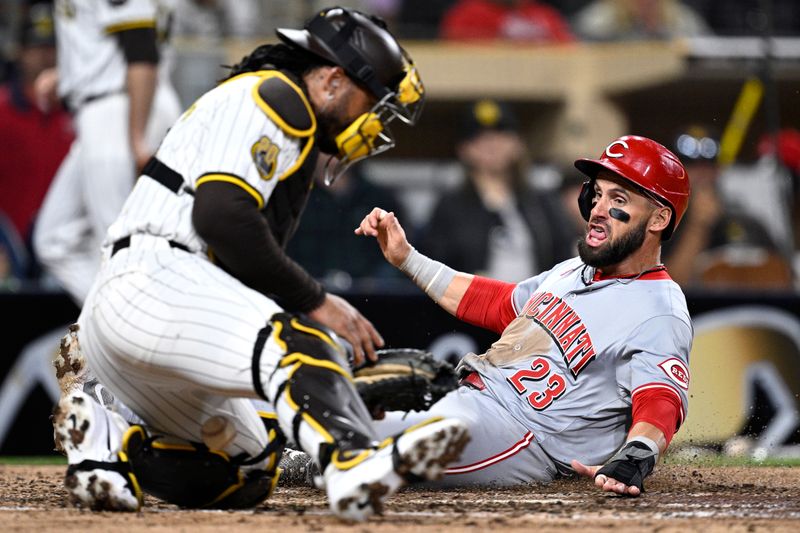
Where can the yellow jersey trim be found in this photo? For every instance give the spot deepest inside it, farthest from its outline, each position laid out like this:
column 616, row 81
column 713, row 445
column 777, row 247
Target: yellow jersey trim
column 300, row 160
column 131, row 25
column 236, row 180
column 265, row 107
column 277, row 119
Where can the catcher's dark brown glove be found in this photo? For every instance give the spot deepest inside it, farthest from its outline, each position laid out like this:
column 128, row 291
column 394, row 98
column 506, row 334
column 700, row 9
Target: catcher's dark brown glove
column 403, row 379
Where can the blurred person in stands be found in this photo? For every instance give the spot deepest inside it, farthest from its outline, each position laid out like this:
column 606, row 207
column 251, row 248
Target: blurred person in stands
column 719, row 245
column 628, row 20
column 516, row 20
column 112, row 76
column 512, row 231
column 331, row 210
column 785, row 144
column 568, row 191
column 216, row 20
column 34, row 136
column 750, row 17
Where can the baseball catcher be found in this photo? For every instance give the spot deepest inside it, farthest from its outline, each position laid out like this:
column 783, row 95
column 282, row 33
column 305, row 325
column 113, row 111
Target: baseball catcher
column 197, row 309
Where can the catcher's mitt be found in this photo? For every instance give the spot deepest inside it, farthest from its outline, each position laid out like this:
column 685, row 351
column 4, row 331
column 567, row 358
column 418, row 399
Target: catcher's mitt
column 403, row 379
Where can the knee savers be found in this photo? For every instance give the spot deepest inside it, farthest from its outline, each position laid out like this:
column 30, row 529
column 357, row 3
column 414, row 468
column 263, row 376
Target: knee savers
column 190, row 475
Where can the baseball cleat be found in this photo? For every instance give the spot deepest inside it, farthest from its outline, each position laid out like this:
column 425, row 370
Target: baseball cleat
column 91, row 436
column 71, row 369
column 358, row 482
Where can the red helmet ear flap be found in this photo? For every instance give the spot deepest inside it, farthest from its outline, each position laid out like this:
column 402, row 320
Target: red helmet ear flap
column 585, row 198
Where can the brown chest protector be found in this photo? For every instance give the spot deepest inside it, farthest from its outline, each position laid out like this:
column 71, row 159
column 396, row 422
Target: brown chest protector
column 288, row 200
column 285, row 102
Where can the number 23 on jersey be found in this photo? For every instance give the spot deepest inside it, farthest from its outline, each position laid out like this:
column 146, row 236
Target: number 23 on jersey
column 541, row 385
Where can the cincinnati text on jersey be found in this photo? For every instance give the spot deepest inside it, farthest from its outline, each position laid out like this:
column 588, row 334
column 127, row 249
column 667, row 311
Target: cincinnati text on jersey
column 564, row 325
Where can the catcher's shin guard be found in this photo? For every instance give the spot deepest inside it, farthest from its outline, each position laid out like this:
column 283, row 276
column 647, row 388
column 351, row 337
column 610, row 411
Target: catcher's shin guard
column 312, row 390
column 190, row 475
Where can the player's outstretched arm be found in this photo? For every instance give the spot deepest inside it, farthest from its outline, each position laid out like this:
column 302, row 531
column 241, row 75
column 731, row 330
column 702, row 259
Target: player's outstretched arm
column 625, row 472
column 443, row 284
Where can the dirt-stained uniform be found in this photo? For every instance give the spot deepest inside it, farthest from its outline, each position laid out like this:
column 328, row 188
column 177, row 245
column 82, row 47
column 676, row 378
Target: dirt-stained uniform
column 590, row 368
column 559, row 382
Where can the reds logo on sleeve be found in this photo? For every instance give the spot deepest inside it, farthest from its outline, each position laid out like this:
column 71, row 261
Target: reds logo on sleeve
column 676, row 371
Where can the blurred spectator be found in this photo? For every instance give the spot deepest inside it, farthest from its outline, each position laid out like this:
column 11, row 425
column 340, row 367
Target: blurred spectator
column 215, row 20
column 517, row 20
column 33, row 141
column 332, row 213
column 14, row 256
column 621, row 20
column 420, row 19
column 749, row 18
column 718, row 245
column 568, row 190
column 786, row 146
column 388, row 10
column 512, row 231
column 8, row 20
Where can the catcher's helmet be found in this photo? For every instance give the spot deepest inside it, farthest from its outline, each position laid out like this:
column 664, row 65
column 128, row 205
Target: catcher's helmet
column 363, row 46
column 650, row 167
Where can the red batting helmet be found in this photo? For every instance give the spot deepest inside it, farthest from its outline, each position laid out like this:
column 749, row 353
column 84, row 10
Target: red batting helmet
column 650, row 167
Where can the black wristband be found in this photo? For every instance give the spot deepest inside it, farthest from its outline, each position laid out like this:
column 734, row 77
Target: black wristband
column 634, row 462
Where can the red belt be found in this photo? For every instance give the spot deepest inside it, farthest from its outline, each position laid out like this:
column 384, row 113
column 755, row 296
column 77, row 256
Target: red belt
column 474, row 380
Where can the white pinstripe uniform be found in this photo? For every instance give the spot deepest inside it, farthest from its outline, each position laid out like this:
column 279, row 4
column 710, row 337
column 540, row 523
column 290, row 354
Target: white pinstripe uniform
column 99, row 171
column 169, row 332
column 567, row 369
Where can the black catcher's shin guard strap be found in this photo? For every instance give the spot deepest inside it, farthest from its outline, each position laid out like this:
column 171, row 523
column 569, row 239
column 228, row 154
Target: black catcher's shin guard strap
column 330, row 400
column 255, row 367
column 634, row 462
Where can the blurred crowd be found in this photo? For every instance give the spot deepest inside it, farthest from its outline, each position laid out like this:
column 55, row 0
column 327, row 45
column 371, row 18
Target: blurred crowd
column 522, row 224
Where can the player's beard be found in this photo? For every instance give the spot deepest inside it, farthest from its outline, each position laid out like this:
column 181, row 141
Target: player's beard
column 613, row 252
column 330, row 124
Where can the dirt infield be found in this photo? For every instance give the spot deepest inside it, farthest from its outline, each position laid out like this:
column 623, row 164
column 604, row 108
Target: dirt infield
column 679, row 498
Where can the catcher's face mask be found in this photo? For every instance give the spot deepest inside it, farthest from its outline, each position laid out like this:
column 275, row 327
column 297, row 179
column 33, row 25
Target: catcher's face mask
column 369, row 134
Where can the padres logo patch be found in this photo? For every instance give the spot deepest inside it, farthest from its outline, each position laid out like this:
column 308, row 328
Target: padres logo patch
column 265, row 156
column 677, row 372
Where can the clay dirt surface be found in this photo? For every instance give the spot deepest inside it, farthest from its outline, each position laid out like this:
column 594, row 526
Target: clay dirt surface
column 678, row 498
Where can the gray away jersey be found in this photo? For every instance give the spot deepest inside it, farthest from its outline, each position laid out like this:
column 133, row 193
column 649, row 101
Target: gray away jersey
column 569, row 364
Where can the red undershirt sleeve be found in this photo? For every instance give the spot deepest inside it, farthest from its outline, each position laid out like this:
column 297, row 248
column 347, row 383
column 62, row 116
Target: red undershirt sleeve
column 658, row 407
column 487, row 303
